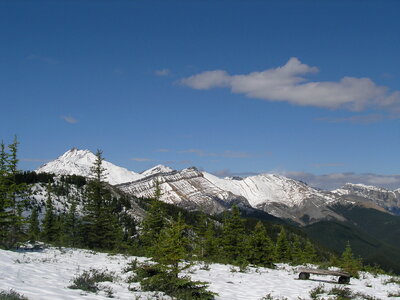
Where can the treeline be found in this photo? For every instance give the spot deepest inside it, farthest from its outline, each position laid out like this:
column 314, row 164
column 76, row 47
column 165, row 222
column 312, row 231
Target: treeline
column 167, row 234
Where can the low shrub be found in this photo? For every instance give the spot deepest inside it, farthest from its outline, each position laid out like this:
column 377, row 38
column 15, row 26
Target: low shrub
column 88, row 280
column 11, row 295
column 154, row 277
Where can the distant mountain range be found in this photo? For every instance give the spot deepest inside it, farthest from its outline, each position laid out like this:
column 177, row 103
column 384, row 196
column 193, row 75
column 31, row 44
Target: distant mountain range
column 192, row 189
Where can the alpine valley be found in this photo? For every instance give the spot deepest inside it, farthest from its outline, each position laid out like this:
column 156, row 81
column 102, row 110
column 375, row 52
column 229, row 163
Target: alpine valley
column 367, row 216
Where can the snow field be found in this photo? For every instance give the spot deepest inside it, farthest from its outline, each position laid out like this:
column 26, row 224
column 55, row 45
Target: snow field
column 46, row 275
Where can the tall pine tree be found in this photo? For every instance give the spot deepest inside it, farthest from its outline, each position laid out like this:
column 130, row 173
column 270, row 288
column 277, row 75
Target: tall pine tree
column 234, row 242
column 102, row 229
column 50, row 228
column 261, row 247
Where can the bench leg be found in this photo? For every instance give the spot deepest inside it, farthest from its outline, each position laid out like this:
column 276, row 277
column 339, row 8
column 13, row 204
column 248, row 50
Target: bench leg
column 304, row 275
column 344, row 280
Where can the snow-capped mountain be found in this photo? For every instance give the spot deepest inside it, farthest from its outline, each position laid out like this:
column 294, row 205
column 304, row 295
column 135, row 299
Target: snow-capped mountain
column 156, row 170
column 386, row 199
column 281, row 196
column 187, row 188
column 194, row 190
column 79, row 162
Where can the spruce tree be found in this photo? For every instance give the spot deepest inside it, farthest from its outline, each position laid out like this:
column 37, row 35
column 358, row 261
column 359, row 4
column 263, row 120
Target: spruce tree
column 309, row 253
column 261, row 247
column 34, row 229
column 282, row 248
column 102, row 229
column 172, row 246
column 72, row 226
column 348, row 263
column 4, row 201
column 50, row 230
column 154, row 221
column 297, row 251
column 210, row 243
column 234, row 239
column 12, row 197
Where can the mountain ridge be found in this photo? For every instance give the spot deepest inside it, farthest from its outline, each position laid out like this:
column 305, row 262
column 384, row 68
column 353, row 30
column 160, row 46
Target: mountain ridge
column 192, row 189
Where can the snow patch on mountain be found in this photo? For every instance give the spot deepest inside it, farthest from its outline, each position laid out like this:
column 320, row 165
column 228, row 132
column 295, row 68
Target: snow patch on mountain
column 80, row 162
column 156, row 170
column 268, row 188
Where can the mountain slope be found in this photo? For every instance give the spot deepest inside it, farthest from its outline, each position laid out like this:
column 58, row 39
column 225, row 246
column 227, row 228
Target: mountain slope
column 281, row 196
column 386, row 199
column 187, row 188
column 79, row 162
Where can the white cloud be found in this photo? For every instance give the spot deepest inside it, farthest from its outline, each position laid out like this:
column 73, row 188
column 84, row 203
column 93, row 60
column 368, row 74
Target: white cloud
column 288, row 83
column 336, row 180
column 162, row 72
column 363, row 119
column 142, row 159
column 69, row 119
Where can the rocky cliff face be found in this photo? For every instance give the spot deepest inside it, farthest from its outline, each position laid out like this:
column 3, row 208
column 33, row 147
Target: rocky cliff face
column 277, row 195
column 187, row 188
column 371, row 195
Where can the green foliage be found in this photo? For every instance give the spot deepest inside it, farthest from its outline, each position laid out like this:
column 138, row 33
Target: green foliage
column 34, row 230
column 233, row 240
column 320, row 289
column 11, row 295
column 101, row 226
column 88, row 280
column 282, row 249
column 50, row 227
column 172, row 247
column 157, row 278
column 261, row 247
column 341, row 293
column 12, row 197
column 348, row 263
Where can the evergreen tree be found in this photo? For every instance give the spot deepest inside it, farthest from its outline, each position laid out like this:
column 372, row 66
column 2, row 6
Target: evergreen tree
column 34, row 229
column 72, row 225
column 102, row 230
column 12, row 197
column 234, row 238
column 309, row 253
column 172, row 246
column 282, row 249
column 154, row 221
column 209, row 242
column 348, row 263
column 50, row 230
column 261, row 247
column 297, row 251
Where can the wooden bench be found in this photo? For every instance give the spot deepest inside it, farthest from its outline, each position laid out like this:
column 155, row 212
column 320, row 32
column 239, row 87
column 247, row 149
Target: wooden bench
column 344, row 277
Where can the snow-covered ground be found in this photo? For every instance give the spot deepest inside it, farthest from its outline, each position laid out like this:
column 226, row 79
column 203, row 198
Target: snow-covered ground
column 47, row 275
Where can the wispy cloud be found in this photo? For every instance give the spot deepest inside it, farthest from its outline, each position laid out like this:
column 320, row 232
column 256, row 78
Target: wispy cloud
column 224, row 154
column 234, row 154
column 325, row 165
column 336, row 180
column 69, row 119
column 199, row 152
column 35, row 160
column 45, row 59
column 229, row 173
column 162, row 150
column 289, row 83
column 142, row 159
column 162, row 72
column 364, row 119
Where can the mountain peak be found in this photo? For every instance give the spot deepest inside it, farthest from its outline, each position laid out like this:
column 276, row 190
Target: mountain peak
column 80, row 162
column 156, row 170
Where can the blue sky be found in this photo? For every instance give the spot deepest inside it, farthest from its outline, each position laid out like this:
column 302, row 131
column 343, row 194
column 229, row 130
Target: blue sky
column 304, row 88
